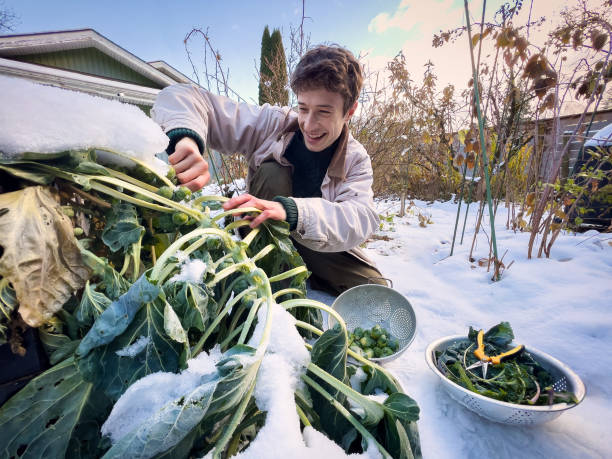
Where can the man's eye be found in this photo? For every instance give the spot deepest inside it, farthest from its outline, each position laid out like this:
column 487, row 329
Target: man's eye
column 302, row 110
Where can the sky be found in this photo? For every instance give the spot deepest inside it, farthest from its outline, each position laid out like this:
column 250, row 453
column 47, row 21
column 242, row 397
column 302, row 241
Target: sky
column 374, row 29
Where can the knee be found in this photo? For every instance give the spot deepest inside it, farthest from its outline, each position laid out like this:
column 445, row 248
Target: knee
column 271, row 179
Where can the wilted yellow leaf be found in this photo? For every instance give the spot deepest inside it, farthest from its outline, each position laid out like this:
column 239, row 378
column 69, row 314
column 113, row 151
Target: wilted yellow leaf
column 471, row 160
column 475, row 39
column 461, row 135
column 531, row 199
column 41, row 258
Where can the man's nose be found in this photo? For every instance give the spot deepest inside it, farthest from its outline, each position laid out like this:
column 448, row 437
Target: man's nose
column 309, row 121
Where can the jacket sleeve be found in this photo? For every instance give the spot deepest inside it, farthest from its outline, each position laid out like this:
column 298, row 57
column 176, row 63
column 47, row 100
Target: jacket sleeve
column 346, row 222
column 223, row 124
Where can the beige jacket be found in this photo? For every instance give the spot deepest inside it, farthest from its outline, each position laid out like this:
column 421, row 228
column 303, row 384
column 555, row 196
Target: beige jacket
column 339, row 221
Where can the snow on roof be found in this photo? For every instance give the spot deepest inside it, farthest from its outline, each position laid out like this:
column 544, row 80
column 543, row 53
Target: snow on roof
column 46, row 119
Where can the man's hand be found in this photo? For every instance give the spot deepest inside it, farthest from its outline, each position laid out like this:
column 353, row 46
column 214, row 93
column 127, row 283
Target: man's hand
column 270, row 209
column 191, row 168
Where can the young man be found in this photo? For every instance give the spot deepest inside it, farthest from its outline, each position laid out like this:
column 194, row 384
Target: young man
column 305, row 167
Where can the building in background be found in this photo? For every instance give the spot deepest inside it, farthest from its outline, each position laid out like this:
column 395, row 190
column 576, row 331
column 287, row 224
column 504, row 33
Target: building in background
column 83, row 60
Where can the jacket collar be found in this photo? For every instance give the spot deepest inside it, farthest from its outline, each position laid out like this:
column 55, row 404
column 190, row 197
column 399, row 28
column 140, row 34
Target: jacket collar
column 336, row 167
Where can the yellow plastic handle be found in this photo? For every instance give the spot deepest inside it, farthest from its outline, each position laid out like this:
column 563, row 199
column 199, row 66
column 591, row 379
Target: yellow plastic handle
column 479, row 352
column 506, row 355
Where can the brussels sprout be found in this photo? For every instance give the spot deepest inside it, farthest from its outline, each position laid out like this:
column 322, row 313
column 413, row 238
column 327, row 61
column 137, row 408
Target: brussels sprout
column 393, row 344
column 68, row 211
column 142, row 173
column 378, row 352
column 171, row 173
column 358, row 332
column 179, row 218
column 165, row 192
column 181, row 193
column 386, row 351
column 78, row 231
column 369, row 353
column 376, row 332
column 366, row 342
column 382, row 341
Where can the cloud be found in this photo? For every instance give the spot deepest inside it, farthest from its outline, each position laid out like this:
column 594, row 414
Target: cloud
column 451, row 61
column 412, row 14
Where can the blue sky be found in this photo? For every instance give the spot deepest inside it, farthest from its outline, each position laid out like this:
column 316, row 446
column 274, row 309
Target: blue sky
column 154, row 29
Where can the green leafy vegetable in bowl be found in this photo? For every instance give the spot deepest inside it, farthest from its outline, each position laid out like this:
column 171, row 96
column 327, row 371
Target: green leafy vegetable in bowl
column 519, row 379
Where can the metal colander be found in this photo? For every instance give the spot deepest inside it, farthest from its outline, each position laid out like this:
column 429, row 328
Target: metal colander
column 371, row 304
column 504, row 412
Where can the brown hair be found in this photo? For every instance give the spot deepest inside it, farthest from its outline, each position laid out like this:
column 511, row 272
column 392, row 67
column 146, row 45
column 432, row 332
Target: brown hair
column 332, row 68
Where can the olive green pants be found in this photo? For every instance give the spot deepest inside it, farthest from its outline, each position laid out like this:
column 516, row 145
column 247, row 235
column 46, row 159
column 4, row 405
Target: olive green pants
column 333, row 272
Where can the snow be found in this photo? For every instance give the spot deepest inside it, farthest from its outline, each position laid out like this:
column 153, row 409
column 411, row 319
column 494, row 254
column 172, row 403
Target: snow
column 135, row 348
column 46, row 119
column 560, row 305
column 285, row 360
column 149, row 394
column 191, row 271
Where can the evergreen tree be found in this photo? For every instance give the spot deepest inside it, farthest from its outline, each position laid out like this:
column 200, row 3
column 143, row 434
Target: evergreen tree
column 279, row 82
column 264, row 71
column 273, row 70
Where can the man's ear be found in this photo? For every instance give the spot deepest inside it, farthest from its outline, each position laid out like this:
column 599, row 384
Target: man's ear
column 351, row 112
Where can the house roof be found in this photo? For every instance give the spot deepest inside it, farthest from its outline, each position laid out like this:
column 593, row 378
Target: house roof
column 167, row 69
column 46, row 42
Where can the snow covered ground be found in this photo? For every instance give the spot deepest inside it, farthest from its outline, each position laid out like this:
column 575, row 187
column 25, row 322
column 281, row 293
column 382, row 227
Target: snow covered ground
column 561, row 305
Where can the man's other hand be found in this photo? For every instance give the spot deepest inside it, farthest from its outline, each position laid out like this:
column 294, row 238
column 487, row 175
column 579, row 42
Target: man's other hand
column 191, row 168
column 270, row 209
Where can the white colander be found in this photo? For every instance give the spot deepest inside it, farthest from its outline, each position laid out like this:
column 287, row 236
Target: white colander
column 504, row 412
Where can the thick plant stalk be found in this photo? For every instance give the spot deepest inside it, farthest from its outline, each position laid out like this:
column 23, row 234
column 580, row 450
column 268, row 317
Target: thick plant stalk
column 140, row 163
column 347, row 415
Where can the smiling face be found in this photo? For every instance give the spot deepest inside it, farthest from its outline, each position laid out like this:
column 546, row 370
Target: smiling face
column 321, row 117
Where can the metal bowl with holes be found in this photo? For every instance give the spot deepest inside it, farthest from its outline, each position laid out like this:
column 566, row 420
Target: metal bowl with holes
column 504, row 412
column 372, row 304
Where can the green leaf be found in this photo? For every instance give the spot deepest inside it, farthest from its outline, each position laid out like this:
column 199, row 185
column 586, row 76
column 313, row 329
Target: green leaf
column 40, row 178
column 238, row 371
column 114, row 283
column 396, row 439
column 122, row 227
column 114, row 373
column 118, row 316
column 329, row 354
column 92, row 304
column 169, row 426
column 378, row 380
column 500, row 335
column 172, row 325
column 193, row 303
column 402, row 407
column 53, row 416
